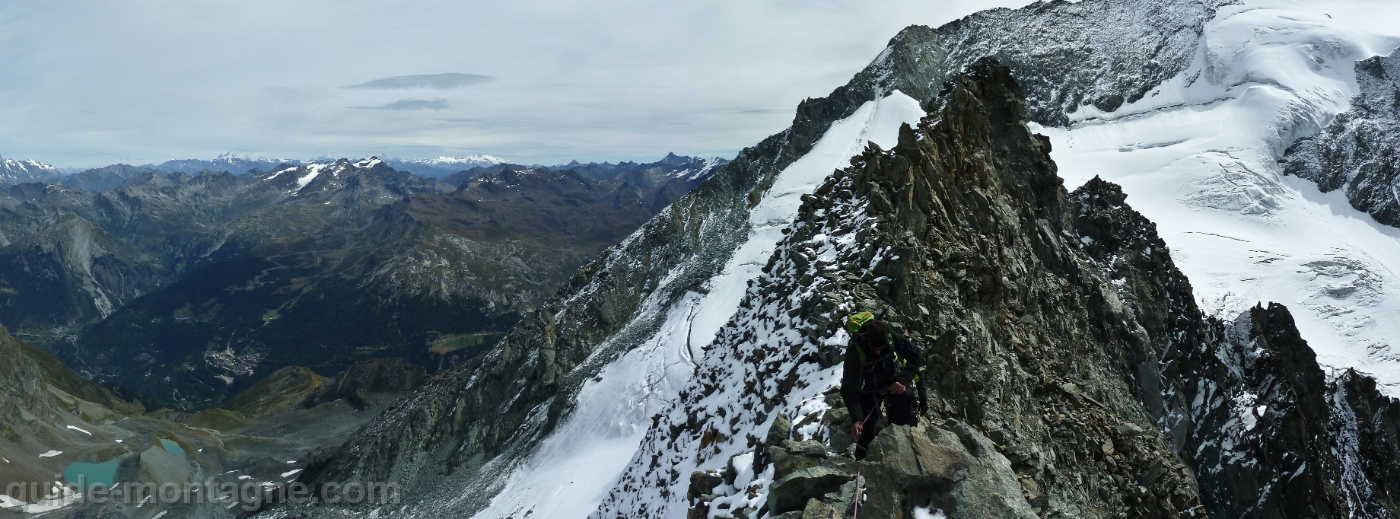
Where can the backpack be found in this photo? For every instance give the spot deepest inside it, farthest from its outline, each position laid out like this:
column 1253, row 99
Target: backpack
column 900, row 350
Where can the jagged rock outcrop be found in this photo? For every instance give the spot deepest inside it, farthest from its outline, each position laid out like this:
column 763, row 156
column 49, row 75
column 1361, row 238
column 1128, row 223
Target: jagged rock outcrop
column 1358, row 151
column 1273, row 436
column 1365, row 426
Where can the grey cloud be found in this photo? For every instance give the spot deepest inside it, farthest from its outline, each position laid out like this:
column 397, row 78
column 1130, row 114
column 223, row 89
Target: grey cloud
column 434, row 81
column 410, row 104
column 574, row 80
column 762, row 111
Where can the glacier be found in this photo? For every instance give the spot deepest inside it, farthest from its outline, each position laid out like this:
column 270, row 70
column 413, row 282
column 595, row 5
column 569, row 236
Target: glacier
column 1200, row 156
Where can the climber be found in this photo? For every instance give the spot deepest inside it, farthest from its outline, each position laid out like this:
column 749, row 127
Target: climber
column 881, row 365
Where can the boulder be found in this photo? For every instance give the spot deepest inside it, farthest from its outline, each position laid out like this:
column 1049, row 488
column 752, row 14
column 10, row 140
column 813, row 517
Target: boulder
column 702, row 483
column 791, row 492
column 956, row 469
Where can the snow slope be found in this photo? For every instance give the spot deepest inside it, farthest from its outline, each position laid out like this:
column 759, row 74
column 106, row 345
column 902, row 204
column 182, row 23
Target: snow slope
column 572, row 471
column 1200, row 155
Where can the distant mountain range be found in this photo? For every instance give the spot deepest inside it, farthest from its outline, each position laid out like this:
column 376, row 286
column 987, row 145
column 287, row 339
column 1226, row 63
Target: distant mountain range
column 454, row 169
column 97, row 179
column 434, row 168
column 187, row 287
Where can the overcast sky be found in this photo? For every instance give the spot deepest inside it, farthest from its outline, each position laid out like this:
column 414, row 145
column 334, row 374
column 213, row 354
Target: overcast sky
column 88, row 83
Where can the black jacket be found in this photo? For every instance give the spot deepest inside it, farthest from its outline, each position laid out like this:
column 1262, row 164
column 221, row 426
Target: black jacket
column 876, row 372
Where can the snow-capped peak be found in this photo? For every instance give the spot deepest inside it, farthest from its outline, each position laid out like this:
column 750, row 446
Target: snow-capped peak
column 27, row 170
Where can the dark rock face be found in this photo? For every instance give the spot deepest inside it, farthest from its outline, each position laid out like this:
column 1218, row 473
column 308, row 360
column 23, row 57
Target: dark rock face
column 1365, row 425
column 1358, row 151
column 1273, row 437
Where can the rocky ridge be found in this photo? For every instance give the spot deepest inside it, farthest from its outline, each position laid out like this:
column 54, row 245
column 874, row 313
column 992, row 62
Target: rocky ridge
column 228, row 162
column 363, row 379
column 1070, row 56
column 964, row 236
column 101, row 179
column 1070, row 371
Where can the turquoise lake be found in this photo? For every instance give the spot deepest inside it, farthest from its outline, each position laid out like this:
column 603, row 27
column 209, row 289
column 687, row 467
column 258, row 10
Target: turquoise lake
column 91, row 474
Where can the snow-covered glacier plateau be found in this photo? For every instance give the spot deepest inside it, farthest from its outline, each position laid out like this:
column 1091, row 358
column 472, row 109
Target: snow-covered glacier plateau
column 1200, row 156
